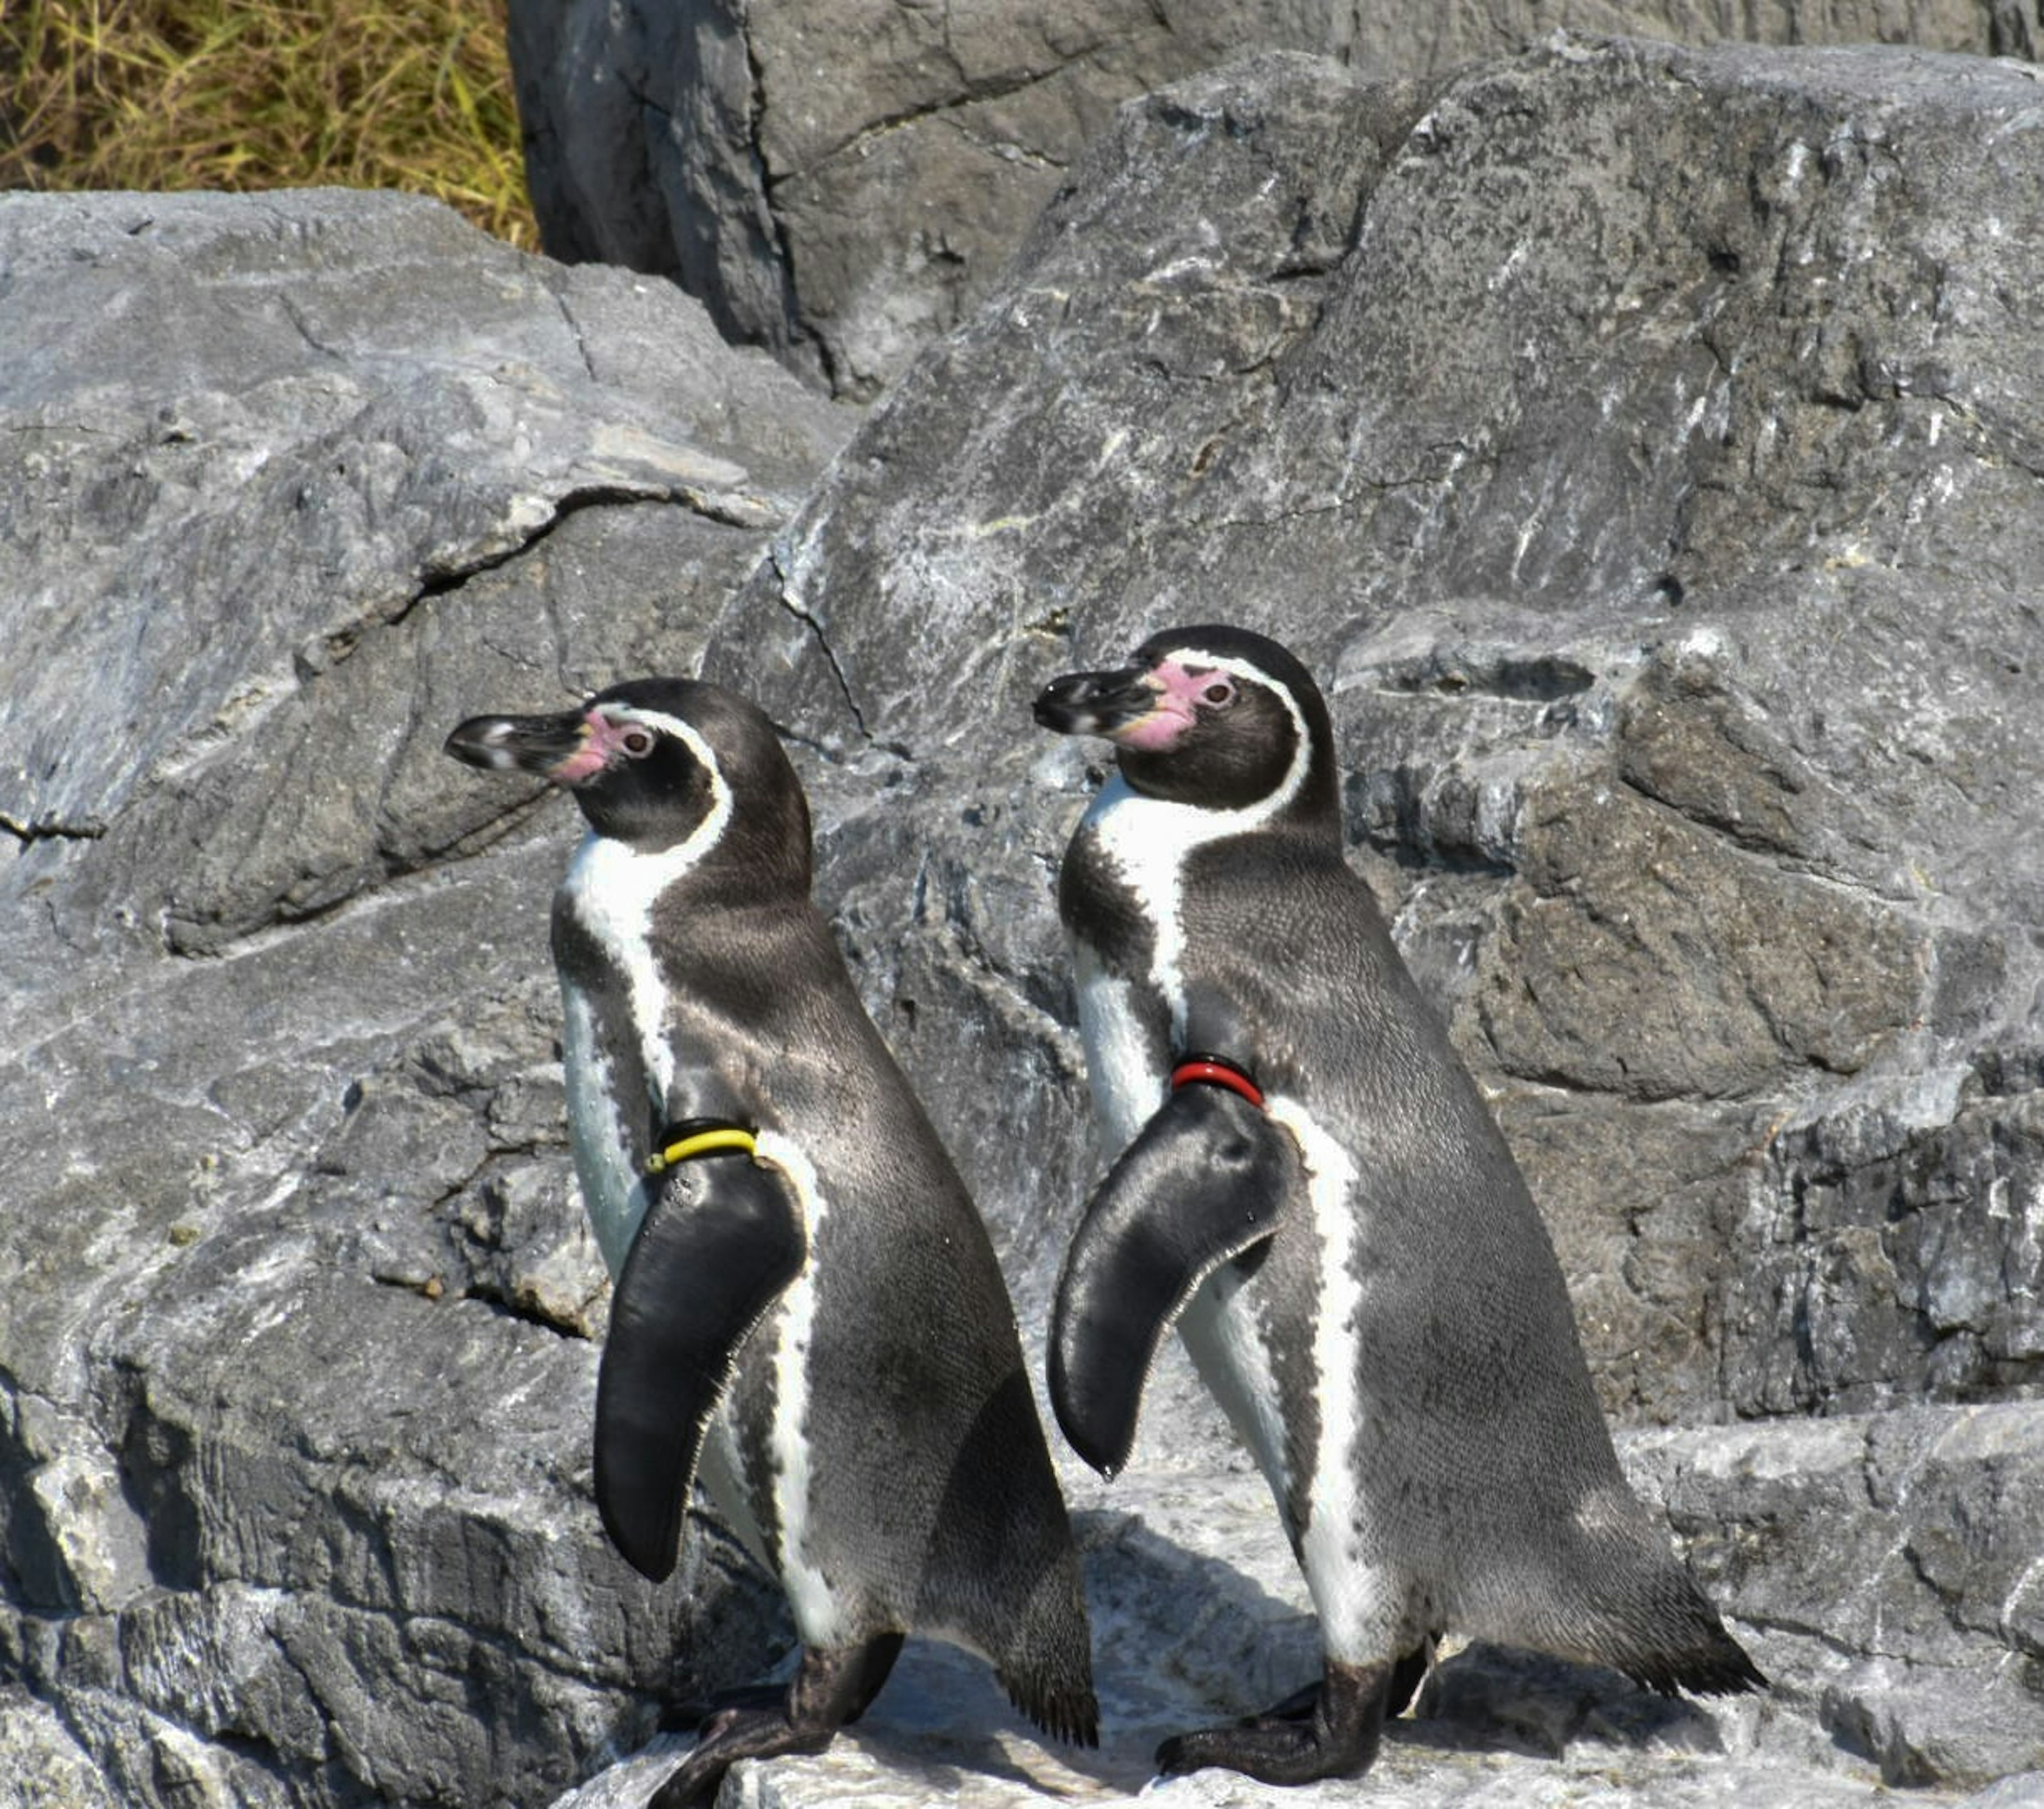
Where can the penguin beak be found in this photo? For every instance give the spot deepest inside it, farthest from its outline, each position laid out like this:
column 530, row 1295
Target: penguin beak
column 547, row 745
column 1098, row 702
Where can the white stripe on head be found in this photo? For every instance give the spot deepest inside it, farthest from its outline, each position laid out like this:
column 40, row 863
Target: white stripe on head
column 705, row 833
column 1250, row 816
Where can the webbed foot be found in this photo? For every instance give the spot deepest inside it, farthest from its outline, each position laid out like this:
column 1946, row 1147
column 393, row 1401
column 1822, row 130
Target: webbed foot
column 831, row 1689
column 1335, row 1734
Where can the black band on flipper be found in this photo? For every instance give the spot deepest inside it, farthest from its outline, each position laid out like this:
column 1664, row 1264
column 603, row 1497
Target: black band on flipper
column 1204, row 1182
column 713, row 1255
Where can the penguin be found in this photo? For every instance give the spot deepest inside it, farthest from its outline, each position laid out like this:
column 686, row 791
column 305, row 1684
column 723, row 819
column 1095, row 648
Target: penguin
column 1307, row 1184
column 806, row 1302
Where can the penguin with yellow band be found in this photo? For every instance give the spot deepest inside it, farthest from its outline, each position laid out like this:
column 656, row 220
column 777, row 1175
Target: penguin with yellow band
column 1306, row 1185
column 807, row 1307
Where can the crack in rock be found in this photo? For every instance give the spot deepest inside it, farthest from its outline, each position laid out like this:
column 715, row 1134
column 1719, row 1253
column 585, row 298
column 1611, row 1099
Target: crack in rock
column 51, row 827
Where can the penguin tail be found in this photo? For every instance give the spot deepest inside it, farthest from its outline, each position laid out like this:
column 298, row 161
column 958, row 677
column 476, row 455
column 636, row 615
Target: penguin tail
column 1652, row 1622
column 1060, row 1703
column 1717, row 1666
column 1046, row 1666
column 1002, row 1574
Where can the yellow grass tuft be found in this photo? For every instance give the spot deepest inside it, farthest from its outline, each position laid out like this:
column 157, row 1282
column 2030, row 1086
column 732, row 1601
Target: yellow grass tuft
column 413, row 94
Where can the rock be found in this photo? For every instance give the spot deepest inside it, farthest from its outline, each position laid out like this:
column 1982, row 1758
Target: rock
column 47, row 1769
column 843, row 183
column 838, row 184
column 431, row 429
column 1680, row 694
column 296, row 1368
column 1890, row 1561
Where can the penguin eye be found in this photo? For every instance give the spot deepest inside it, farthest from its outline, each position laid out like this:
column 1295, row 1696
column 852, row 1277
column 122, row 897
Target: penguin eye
column 1220, row 693
column 636, row 741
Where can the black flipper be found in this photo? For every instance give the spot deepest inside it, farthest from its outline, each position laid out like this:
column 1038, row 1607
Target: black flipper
column 1204, row 1182
column 722, row 1240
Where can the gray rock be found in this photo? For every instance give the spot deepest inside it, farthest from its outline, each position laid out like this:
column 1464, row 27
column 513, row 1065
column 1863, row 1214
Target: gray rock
column 839, row 183
column 843, row 183
column 1890, row 1563
column 295, row 1366
column 278, row 432
column 47, row 1769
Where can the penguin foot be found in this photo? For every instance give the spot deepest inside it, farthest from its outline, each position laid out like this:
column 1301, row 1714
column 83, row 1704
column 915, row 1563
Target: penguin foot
column 831, row 1689
column 1407, row 1675
column 1334, row 1734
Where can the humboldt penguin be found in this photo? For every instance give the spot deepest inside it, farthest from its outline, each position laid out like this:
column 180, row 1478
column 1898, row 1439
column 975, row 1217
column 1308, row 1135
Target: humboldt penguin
column 805, row 1299
column 1306, row 1182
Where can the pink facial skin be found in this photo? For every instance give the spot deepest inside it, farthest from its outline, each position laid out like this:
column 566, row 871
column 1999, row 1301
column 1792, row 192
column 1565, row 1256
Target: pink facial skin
column 1180, row 691
column 599, row 741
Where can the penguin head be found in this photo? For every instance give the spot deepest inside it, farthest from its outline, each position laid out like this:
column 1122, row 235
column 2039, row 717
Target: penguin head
column 1215, row 717
column 656, row 762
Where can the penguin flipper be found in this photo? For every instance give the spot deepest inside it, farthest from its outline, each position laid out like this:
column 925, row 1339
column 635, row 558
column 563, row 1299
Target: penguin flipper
column 720, row 1243
column 1204, row 1181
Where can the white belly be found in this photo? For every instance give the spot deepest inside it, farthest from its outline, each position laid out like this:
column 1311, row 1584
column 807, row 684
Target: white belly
column 1220, row 1332
column 721, row 1474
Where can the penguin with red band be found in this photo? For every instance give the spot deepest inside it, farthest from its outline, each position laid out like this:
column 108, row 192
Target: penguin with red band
column 806, row 1303
column 1308, row 1187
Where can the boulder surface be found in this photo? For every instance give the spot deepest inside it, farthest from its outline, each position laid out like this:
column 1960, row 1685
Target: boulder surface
column 842, row 182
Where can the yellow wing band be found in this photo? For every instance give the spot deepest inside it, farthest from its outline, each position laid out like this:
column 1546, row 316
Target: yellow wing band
column 702, row 1143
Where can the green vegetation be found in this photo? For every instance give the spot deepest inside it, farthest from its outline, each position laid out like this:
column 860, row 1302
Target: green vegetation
column 412, row 94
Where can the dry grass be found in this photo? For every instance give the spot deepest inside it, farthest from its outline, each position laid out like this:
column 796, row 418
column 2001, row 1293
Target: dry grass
column 413, row 94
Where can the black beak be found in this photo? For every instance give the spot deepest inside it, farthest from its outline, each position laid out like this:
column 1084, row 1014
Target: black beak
column 507, row 743
column 1096, row 703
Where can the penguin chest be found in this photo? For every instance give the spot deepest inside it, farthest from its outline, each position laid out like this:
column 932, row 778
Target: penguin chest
column 1120, row 898
column 619, row 1018
column 606, row 1094
column 1124, row 1024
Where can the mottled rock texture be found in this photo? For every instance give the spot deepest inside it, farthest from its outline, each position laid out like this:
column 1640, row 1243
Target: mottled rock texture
column 1648, row 446
column 843, row 181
